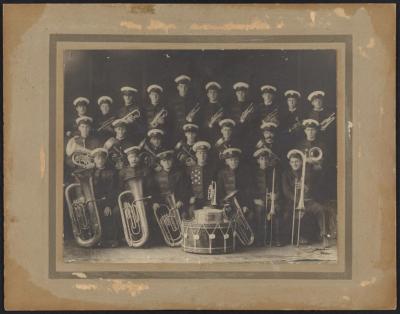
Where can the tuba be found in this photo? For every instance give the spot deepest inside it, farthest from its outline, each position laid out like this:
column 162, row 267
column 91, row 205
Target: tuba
column 162, row 114
column 83, row 210
column 133, row 213
column 242, row 228
column 246, row 112
column 192, row 113
column 169, row 220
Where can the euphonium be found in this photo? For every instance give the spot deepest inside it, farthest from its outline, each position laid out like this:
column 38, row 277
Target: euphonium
column 246, row 112
column 169, row 220
column 162, row 114
column 80, row 155
column 133, row 213
column 83, row 210
column 192, row 113
column 242, row 228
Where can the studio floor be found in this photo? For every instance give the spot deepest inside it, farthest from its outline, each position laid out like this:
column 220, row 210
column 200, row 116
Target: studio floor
column 286, row 254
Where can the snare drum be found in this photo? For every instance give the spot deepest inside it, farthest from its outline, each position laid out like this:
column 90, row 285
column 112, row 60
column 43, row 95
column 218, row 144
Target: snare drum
column 204, row 238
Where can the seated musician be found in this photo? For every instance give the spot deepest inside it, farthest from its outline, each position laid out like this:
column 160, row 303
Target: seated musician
column 151, row 146
column 266, row 188
column 136, row 127
column 268, row 139
column 201, row 175
column 105, row 188
column 118, row 143
column 227, row 139
column 105, row 118
column 232, row 177
column 84, row 142
column 292, row 177
column 81, row 110
column 184, row 148
column 171, row 180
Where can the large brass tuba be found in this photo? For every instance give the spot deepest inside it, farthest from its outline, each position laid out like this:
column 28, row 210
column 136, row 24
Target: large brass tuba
column 169, row 220
column 242, row 228
column 83, row 210
column 133, row 213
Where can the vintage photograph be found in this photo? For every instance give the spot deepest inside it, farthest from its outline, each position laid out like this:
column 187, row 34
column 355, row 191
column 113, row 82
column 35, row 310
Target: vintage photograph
column 200, row 155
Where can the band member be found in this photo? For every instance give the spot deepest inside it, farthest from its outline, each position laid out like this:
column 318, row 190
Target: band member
column 269, row 130
column 131, row 113
column 266, row 197
column 171, row 180
column 268, row 110
column 81, row 110
column 312, row 187
column 184, row 148
column 181, row 105
column 156, row 113
column 118, row 143
column 201, row 175
column 241, row 102
column 105, row 118
column 234, row 177
column 151, row 146
column 291, row 119
column 319, row 112
column 84, row 142
column 211, row 113
column 226, row 140
column 105, row 185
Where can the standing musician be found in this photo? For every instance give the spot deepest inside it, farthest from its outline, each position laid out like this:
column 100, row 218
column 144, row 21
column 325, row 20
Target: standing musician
column 131, row 113
column 105, row 118
column 319, row 112
column 184, row 148
column 268, row 110
column 234, row 177
column 118, row 143
column 81, row 110
column 226, row 140
column 211, row 113
column 151, row 146
column 201, row 175
column 171, row 180
column 241, row 102
column 180, row 105
column 268, row 138
column 292, row 177
column 84, row 142
column 105, row 185
column 265, row 190
column 156, row 113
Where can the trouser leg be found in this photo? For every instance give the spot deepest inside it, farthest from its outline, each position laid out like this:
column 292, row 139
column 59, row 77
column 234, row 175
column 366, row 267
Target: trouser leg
column 259, row 225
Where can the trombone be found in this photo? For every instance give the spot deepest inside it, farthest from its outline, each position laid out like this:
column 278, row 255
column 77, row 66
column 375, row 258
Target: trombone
column 313, row 154
column 269, row 216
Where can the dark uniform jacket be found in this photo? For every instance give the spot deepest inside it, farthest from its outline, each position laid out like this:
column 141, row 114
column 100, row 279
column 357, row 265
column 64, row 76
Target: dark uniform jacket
column 264, row 111
column 151, row 111
column 105, row 184
column 262, row 180
column 206, row 112
column 178, row 108
column 140, row 171
column 137, row 129
column 173, row 182
column 116, row 151
column 223, row 144
column 108, row 131
column 229, row 180
column 184, row 151
column 149, row 155
column 201, row 177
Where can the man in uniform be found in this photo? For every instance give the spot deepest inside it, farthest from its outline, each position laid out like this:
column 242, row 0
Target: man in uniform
column 268, row 110
column 319, row 112
column 131, row 113
column 266, row 197
column 226, row 140
column 268, row 139
column 184, row 148
column 118, row 143
column 201, row 176
column 105, row 118
column 180, row 106
column 105, row 185
column 171, row 180
column 81, row 110
column 211, row 113
column 83, row 142
column 291, row 178
column 151, row 147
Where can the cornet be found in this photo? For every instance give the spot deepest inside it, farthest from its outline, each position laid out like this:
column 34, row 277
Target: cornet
column 246, row 113
column 215, row 117
column 190, row 116
column 325, row 123
column 162, row 114
column 169, row 221
column 212, row 193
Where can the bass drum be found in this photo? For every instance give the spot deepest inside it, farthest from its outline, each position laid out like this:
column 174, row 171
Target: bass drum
column 203, row 238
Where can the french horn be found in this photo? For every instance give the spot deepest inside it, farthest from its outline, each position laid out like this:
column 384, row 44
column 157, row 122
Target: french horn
column 133, row 213
column 82, row 209
column 169, row 221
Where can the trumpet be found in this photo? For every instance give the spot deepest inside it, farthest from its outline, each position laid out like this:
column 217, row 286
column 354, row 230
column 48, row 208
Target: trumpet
column 162, row 114
column 212, row 193
column 83, row 210
column 246, row 113
column 128, row 118
column 326, row 122
column 215, row 117
column 192, row 113
column 272, row 116
column 242, row 228
column 133, row 214
column 169, row 221
column 106, row 124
